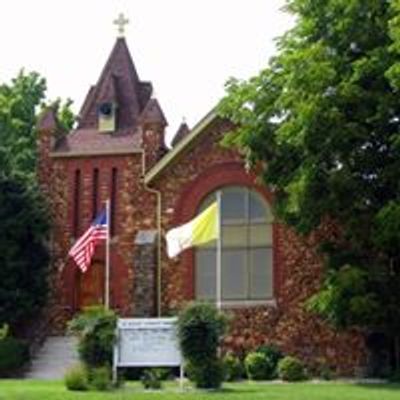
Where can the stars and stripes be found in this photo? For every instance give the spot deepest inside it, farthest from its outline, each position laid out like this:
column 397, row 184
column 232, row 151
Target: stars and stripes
column 82, row 251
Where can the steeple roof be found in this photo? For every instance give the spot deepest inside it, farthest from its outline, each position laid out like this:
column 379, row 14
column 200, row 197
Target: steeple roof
column 153, row 114
column 119, row 84
column 182, row 131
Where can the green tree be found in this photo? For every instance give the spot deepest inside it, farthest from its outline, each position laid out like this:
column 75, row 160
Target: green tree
column 322, row 123
column 20, row 103
column 23, row 236
column 23, row 252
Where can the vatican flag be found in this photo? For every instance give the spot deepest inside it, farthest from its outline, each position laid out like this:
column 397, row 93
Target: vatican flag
column 200, row 230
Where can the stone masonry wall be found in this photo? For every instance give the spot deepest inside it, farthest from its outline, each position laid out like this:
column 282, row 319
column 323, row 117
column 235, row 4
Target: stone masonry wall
column 135, row 210
column 203, row 168
column 297, row 266
column 145, row 261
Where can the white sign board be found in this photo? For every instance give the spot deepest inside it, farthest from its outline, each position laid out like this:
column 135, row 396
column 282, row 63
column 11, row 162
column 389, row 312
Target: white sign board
column 147, row 342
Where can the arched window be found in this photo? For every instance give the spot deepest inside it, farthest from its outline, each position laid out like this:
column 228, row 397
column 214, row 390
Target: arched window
column 247, row 260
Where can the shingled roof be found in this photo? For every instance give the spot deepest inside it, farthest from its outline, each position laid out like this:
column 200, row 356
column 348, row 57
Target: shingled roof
column 119, row 83
column 182, row 131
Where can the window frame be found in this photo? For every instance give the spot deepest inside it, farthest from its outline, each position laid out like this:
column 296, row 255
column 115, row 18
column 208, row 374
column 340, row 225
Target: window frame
column 247, row 222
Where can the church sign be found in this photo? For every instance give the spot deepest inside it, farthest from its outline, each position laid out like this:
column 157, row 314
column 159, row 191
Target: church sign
column 147, row 342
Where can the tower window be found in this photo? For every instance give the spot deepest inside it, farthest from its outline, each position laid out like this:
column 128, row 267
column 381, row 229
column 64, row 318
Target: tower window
column 95, row 192
column 113, row 199
column 107, row 117
column 77, row 194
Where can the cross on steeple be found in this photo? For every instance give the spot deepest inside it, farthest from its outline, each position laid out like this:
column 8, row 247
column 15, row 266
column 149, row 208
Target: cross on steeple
column 121, row 21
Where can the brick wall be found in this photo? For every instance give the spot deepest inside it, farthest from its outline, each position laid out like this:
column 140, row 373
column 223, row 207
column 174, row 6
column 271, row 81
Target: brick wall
column 135, row 210
column 203, row 168
column 297, row 267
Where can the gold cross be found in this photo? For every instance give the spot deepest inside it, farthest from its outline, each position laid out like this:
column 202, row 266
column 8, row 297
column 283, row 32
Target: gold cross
column 121, row 21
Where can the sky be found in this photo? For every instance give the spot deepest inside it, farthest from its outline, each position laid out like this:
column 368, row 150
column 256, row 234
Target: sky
column 187, row 48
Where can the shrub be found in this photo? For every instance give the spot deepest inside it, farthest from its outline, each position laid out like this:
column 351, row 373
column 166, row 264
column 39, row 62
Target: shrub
column 76, row 378
column 151, row 378
column 200, row 328
column 273, row 355
column 394, row 377
column 233, row 368
column 257, row 365
column 4, row 330
column 13, row 355
column 96, row 330
column 325, row 373
column 100, row 378
column 206, row 376
column 291, row 369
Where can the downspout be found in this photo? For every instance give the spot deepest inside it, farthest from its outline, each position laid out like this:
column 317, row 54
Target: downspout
column 158, row 216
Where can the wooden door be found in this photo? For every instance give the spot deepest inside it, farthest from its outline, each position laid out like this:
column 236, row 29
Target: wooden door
column 91, row 286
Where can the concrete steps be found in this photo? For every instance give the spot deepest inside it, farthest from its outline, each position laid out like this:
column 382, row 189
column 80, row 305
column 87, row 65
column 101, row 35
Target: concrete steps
column 55, row 357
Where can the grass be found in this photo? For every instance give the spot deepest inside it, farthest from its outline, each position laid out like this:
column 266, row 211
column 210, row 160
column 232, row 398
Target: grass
column 52, row 390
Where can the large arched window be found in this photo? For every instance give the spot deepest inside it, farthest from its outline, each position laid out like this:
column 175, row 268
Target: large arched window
column 246, row 249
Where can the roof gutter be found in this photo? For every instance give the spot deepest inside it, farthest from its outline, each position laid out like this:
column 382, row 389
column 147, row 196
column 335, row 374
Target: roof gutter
column 69, row 154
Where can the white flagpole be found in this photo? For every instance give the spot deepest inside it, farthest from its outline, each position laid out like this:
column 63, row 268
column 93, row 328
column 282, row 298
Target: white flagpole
column 107, row 272
column 219, row 254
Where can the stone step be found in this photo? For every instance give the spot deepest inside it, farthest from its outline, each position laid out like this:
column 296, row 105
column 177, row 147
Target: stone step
column 55, row 357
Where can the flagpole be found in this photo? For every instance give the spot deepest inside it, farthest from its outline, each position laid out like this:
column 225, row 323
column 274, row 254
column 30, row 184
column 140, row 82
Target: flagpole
column 219, row 254
column 107, row 272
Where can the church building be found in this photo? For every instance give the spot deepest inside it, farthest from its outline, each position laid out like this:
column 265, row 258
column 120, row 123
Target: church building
column 117, row 151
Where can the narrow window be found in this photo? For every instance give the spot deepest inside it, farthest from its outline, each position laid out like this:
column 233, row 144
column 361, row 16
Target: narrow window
column 95, row 192
column 77, row 193
column 113, row 200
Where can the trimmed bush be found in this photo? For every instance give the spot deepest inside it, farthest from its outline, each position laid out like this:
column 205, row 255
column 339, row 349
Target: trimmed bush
column 13, row 355
column 233, row 368
column 258, row 367
column 76, row 378
column 200, row 329
column 206, row 376
column 325, row 373
column 273, row 353
column 291, row 369
column 95, row 328
column 151, row 378
column 100, row 378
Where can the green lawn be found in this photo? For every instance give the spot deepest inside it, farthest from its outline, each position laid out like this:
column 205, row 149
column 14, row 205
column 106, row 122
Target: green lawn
column 43, row 390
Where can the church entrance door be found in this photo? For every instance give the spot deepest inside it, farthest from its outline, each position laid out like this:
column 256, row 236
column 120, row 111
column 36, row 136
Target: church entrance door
column 91, row 286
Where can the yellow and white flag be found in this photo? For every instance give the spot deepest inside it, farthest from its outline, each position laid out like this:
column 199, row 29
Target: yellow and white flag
column 200, row 230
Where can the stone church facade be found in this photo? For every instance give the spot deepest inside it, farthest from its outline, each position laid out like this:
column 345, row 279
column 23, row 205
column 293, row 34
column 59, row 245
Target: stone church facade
column 117, row 152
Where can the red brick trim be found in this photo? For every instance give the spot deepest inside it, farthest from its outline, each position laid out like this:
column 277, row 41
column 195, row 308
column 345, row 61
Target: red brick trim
column 217, row 176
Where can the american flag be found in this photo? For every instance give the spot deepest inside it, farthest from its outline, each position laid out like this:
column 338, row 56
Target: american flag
column 82, row 251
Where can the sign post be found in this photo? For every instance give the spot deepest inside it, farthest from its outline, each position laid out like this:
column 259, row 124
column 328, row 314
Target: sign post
column 147, row 342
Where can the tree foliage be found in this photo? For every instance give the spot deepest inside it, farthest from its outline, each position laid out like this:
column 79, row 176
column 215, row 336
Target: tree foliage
column 23, row 252
column 322, row 122
column 20, row 103
column 23, row 236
